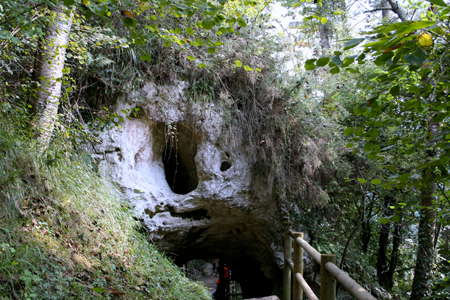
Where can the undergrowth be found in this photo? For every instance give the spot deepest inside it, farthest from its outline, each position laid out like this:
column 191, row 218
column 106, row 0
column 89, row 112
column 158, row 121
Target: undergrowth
column 65, row 234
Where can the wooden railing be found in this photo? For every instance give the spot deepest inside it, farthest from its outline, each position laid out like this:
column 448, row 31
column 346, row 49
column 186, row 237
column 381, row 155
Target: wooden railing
column 294, row 285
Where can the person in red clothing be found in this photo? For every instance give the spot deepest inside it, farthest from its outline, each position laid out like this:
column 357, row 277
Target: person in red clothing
column 226, row 280
column 223, row 283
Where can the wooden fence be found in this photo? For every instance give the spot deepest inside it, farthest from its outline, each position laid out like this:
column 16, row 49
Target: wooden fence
column 294, row 285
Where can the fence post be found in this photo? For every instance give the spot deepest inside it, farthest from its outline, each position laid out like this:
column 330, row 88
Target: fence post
column 327, row 281
column 298, row 267
column 287, row 275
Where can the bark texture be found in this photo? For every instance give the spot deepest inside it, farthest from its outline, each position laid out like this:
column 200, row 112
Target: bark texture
column 425, row 251
column 383, row 243
column 384, row 12
column 54, row 54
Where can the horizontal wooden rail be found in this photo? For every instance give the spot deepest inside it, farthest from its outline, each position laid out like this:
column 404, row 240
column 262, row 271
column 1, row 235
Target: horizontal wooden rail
column 348, row 283
column 305, row 286
column 329, row 273
column 308, row 248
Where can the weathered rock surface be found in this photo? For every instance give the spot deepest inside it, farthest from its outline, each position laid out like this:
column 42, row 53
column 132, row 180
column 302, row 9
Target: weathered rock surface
column 197, row 191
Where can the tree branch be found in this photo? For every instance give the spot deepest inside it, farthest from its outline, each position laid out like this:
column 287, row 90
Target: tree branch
column 398, row 10
column 377, row 9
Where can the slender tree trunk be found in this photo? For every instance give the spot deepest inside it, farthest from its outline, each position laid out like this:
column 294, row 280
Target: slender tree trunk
column 54, row 54
column 384, row 12
column 324, row 31
column 366, row 227
column 425, row 249
column 383, row 243
column 366, row 234
column 394, row 260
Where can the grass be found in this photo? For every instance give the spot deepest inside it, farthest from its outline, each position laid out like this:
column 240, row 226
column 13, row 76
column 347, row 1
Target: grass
column 65, row 234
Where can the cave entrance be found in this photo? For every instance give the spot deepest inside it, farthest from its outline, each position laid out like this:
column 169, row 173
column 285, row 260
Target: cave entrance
column 230, row 278
column 251, row 261
column 178, row 158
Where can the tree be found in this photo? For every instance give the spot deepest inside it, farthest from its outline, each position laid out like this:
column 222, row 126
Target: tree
column 53, row 58
column 402, row 121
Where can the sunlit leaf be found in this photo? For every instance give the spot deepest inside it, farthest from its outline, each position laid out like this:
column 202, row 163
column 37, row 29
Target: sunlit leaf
column 353, row 43
column 323, row 61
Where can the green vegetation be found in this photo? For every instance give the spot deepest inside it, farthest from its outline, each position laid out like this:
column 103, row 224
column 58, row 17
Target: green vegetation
column 65, row 234
column 355, row 140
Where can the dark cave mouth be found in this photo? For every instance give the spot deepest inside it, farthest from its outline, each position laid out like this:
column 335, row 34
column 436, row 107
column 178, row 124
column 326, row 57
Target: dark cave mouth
column 225, row 165
column 178, row 157
column 245, row 277
column 252, row 263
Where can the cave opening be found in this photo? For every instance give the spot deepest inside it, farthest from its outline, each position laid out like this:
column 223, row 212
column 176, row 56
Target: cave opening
column 178, row 157
column 254, row 271
column 231, row 277
column 225, row 165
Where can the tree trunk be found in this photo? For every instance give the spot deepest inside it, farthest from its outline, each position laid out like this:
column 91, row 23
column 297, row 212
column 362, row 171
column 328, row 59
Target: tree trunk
column 324, row 29
column 425, row 249
column 53, row 58
column 324, row 32
column 393, row 262
column 366, row 234
column 384, row 12
column 383, row 243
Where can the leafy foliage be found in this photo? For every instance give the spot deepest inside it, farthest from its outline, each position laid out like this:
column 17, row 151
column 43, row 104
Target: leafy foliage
column 400, row 122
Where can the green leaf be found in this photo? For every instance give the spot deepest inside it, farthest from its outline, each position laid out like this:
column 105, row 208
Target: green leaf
column 352, row 43
column 69, row 2
column 395, row 90
column 191, row 58
column 310, row 64
column 375, row 181
column 323, row 20
column 207, row 24
column 384, row 220
column 348, row 61
column 416, row 58
column 241, row 22
column 361, row 180
column 352, row 70
column 348, row 131
column 248, row 68
column 129, row 22
column 335, row 70
column 438, row 2
column 323, row 61
column 145, row 57
column 238, row 63
column 382, row 59
column 99, row 290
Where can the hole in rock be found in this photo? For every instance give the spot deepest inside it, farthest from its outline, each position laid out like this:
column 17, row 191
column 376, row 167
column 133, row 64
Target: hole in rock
column 225, row 165
column 179, row 158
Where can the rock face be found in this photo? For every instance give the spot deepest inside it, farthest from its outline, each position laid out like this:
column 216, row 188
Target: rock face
column 196, row 189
